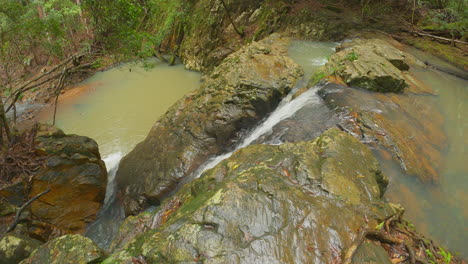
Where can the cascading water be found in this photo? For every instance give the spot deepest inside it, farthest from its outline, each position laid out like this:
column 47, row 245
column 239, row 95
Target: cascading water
column 110, row 216
column 316, row 56
column 287, row 108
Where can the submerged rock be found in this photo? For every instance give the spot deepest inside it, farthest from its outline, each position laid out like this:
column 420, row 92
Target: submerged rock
column 77, row 178
column 294, row 203
column 14, row 248
column 68, row 249
column 372, row 64
column 409, row 125
column 237, row 94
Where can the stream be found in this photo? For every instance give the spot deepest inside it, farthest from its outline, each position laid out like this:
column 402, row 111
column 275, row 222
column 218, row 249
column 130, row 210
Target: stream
column 123, row 105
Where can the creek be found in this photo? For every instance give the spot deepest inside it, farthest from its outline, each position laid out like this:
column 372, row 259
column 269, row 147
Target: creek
column 439, row 210
column 123, row 107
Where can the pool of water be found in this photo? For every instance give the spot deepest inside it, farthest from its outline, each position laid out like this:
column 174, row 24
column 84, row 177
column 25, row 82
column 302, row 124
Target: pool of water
column 311, row 55
column 117, row 108
column 440, row 210
column 120, row 105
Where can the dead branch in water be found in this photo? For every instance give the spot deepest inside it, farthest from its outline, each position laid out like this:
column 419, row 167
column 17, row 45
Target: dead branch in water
column 424, row 34
column 46, row 77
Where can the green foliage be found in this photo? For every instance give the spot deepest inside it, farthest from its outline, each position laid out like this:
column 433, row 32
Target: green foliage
column 379, row 226
column 352, row 56
column 116, row 23
column 448, row 15
column 431, row 257
column 446, row 255
column 34, row 32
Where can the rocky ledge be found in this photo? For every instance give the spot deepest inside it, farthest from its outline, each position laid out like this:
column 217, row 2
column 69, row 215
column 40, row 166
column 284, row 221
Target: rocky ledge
column 76, row 178
column 369, row 63
column 247, row 86
column 293, row 203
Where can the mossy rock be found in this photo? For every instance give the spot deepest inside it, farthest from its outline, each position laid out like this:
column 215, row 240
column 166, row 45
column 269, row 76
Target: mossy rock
column 293, row 203
column 371, row 64
column 68, row 249
column 237, row 94
column 14, row 248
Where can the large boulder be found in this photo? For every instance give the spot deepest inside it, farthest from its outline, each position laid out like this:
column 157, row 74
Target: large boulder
column 14, row 248
column 77, row 178
column 299, row 202
column 247, row 86
column 68, row 249
column 371, row 64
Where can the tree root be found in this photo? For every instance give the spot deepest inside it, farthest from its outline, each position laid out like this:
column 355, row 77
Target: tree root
column 372, row 235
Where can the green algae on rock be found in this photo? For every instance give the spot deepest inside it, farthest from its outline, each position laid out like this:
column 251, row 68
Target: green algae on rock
column 14, row 248
column 293, row 203
column 371, row 64
column 247, row 86
column 68, row 249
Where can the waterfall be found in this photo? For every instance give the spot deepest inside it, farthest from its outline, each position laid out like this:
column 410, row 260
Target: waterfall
column 287, row 108
column 111, row 215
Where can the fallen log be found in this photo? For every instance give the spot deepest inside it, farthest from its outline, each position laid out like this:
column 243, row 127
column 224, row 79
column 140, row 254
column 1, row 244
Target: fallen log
column 424, row 34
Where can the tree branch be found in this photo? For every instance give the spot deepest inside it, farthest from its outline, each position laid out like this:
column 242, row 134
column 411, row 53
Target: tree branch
column 18, row 214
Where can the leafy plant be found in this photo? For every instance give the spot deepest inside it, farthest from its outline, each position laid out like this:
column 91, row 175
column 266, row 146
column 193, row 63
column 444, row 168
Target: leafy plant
column 379, row 226
column 446, row 255
column 352, row 56
column 431, row 257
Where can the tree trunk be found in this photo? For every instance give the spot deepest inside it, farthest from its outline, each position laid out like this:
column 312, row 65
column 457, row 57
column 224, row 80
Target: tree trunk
column 4, row 124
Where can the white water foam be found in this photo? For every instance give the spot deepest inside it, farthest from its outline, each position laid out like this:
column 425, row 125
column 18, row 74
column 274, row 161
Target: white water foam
column 287, row 108
column 112, row 164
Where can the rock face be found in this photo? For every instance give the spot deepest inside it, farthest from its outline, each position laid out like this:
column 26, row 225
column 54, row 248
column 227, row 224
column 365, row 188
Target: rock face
column 240, row 92
column 372, row 64
column 69, row 249
column 408, row 125
column 294, row 203
column 14, row 248
column 77, row 178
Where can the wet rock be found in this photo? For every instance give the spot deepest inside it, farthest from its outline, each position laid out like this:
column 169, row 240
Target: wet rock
column 236, row 95
column 409, row 125
column 68, row 249
column 77, row 178
column 12, row 196
column 294, row 203
column 369, row 253
column 14, row 248
column 372, row 64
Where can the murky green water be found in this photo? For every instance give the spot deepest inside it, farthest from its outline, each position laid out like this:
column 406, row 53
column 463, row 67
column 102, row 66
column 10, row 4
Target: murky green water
column 311, row 54
column 441, row 210
column 123, row 103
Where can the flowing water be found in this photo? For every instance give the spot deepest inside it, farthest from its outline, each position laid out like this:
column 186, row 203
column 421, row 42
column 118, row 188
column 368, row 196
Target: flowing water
column 124, row 104
column 439, row 211
column 117, row 109
column 310, row 55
